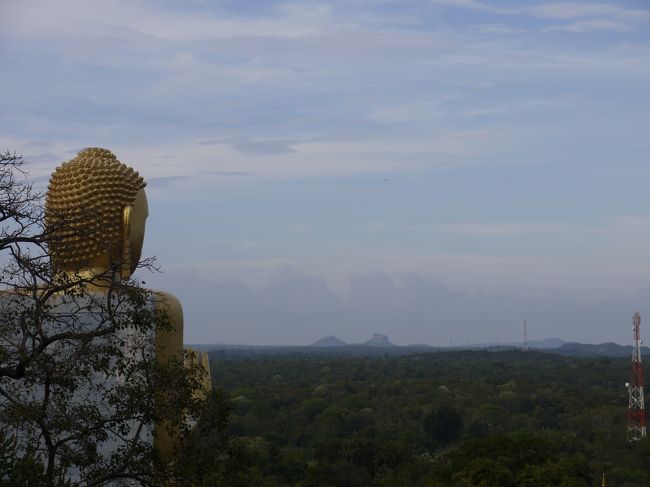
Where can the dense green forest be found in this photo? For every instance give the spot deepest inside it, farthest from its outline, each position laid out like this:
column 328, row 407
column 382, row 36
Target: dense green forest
column 467, row 418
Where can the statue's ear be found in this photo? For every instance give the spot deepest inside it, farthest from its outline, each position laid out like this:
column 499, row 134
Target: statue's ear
column 125, row 263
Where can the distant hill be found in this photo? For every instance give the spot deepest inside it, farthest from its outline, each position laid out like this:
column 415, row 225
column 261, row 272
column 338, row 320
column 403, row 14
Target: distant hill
column 329, row 341
column 379, row 340
column 603, row 349
column 379, row 344
column 534, row 344
column 546, row 343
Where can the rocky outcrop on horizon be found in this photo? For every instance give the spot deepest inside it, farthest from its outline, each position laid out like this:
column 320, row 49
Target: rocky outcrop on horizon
column 379, row 340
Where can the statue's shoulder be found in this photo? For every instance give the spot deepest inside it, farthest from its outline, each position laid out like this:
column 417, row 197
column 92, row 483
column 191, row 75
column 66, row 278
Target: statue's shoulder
column 169, row 341
column 167, row 302
column 166, row 298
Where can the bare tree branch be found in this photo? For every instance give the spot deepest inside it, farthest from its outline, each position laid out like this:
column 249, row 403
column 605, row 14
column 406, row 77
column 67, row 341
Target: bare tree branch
column 80, row 387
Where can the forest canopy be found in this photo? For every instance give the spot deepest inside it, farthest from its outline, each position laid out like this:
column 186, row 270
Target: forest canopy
column 467, row 418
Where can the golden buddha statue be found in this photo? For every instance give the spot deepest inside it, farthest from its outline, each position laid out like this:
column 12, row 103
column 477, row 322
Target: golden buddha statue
column 95, row 212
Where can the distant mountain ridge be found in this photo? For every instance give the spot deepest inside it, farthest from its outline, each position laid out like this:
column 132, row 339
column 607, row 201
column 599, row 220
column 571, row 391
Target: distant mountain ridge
column 603, row 349
column 329, row 341
column 547, row 343
column 380, row 344
column 537, row 344
column 377, row 340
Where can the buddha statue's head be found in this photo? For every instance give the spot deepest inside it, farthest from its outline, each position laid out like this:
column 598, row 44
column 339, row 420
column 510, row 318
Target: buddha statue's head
column 95, row 213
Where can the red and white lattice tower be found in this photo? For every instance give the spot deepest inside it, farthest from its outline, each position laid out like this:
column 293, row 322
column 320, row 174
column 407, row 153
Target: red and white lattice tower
column 636, row 406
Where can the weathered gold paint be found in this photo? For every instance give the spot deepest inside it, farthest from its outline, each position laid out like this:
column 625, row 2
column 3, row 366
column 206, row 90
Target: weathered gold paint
column 200, row 359
column 96, row 210
column 84, row 210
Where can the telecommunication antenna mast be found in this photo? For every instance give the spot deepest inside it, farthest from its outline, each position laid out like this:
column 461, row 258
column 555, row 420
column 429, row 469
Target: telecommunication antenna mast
column 525, row 347
column 636, row 428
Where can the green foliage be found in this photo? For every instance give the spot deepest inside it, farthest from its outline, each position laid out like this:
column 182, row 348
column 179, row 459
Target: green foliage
column 207, row 457
column 520, row 459
column 19, row 469
column 84, row 406
column 443, row 425
column 438, row 419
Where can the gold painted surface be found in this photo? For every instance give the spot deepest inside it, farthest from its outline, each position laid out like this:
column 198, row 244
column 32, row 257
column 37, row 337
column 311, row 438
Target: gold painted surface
column 169, row 346
column 96, row 211
column 84, row 210
column 200, row 360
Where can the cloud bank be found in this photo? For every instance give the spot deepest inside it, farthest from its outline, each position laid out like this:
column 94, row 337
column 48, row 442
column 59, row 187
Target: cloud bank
column 292, row 308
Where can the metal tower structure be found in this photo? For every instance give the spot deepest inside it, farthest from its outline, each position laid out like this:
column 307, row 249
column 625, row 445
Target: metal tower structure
column 636, row 428
column 525, row 346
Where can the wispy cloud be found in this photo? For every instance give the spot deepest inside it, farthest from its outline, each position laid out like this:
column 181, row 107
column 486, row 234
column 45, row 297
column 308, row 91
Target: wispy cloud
column 585, row 26
column 293, row 307
column 119, row 18
column 164, row 182
column 508, row 229
column 600, row 13
column 623, row 225
column 411, row 110
column 475, row 5
column 494, row 149
column 581, row 10
column 504, row 29
column 254, row 147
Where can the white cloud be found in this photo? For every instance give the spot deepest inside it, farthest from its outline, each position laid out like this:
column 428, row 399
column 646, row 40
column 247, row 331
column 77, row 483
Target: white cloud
column 507, row 229
column 309, row 91
column 627, row 225
column 292, row 307
column 528, row 105
column 98, row 19
column 556, row 10
column 475, row 5
column 498, row 29
column 411, row 111
column 586, row 26
column 216, row 158
column 581, row 10
column 271, row 102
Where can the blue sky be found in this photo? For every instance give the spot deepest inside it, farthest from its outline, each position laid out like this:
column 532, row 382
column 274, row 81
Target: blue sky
column 437, row 170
